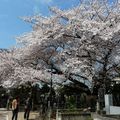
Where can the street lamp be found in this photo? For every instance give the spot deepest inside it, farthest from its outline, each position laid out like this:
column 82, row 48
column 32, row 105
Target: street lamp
column 50, row 94
column 51, row 82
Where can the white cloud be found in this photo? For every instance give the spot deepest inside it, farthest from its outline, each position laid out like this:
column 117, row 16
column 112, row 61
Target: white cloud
column 44, row 1
column 36, row 10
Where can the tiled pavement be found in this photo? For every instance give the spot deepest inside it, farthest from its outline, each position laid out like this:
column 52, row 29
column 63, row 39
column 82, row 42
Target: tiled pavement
column 7, row 115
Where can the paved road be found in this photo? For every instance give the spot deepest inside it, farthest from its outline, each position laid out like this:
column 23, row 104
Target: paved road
column 7, row 115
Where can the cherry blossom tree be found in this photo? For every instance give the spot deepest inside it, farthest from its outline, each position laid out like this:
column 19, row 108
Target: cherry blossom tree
column 14, row 73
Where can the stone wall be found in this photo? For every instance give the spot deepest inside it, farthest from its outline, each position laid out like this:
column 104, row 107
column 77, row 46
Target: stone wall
column 72, row 115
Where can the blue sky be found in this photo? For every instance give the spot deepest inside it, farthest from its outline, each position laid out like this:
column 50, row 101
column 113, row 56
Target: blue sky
column 10, row 11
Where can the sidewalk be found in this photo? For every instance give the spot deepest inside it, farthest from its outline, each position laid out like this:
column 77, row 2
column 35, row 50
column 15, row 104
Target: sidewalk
column 7, row 115
column 99, row 117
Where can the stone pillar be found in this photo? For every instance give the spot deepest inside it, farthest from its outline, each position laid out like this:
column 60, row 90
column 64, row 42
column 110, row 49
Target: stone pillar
column 108, row 103
column 58, row 115
column 97, row 107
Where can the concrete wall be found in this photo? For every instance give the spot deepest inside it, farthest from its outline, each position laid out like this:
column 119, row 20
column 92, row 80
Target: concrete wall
column 110, row 109
column 108, row 103
column 114, row 110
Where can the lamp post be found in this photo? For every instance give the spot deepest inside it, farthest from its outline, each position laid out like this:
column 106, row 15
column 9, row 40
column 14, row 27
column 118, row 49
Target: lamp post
column 50, row 95
column 51, row 82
